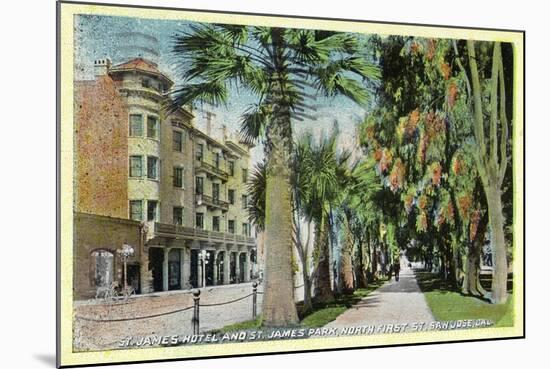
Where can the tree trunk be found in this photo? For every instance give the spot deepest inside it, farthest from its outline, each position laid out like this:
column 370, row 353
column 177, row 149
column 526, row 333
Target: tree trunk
column 374, row 261
column 359, row 266
column 491, row 171
column 499, row 293
column 279, row 309
column 308, row 306
column 369, row 275
column 323, row 290
column 346, row 265
column 471, row 284
column 456, row 265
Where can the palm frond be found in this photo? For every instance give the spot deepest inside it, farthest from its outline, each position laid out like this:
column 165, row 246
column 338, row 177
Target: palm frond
column 256, row 187
column 254, row 121
column 333, row 83
column 210, row 92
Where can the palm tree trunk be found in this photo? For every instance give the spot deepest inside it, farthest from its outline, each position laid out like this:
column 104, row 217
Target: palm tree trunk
column 346, row 265
column 359, row 266
column 323, row 289
column 278, row 306
column 374, row 261
column 279, row 309
column 308, row 306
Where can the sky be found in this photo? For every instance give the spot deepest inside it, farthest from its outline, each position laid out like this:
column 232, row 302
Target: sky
column 123, row 38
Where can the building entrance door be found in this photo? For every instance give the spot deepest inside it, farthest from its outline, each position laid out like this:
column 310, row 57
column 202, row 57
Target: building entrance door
column 174, row 269
column 156, row 259
column 242, row 269
column 209, row 268
column 233, row 267
column 134, row 277
column 194, row 278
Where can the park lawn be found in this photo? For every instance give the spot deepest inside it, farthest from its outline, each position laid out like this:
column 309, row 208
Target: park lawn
column 447, row 304
column 241, row 326
column 321, row 315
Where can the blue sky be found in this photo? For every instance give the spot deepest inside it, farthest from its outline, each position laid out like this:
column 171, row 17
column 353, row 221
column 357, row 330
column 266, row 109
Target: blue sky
column 115, row 38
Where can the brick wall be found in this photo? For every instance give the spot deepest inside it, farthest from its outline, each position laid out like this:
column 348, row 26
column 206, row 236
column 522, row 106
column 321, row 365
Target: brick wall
column 101, row 149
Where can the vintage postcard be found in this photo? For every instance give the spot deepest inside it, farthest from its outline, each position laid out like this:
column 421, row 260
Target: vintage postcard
column 236, row 184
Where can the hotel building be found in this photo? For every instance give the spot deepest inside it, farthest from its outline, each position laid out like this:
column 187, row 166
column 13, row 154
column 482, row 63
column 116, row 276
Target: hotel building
column 153, row 180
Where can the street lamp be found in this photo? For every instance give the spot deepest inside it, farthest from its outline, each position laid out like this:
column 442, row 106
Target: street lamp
column 124, row 253
column 204, row 256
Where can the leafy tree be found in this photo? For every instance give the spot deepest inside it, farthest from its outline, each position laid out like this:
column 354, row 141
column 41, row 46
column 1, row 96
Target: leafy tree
column 487, row 94
column 423, row 137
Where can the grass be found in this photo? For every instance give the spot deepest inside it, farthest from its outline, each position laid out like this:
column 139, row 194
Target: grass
column 322, row 313
column 447, row 303
column 242, row 326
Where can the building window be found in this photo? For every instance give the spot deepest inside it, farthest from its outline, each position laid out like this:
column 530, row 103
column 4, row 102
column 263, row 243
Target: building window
column 217, row 160
column 200, row 152
column 216, row 223
column 136, row 166
column 245, row 175
column 152, row 167
column 215, row 191
column 231, row 168
column 136, row 210
column 178, row 177
column 231, row 226
column 177, row 215
column 152, row 127
column 231, row 196
column 199, row 220
column 177, row 141
column 136, row 125
column 199, row 185
column 244, row 201
column 146, row 82
column 103, row 263
column 246, row 229
column 152, row 210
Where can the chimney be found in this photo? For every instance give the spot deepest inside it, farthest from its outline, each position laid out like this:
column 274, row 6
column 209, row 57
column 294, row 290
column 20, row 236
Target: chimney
column 101, row 67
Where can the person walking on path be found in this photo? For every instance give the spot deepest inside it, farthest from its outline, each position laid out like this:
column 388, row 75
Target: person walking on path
column 396, row 267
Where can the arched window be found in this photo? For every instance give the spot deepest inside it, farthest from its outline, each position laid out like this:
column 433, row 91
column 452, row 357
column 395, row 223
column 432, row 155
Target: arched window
column 103, row 263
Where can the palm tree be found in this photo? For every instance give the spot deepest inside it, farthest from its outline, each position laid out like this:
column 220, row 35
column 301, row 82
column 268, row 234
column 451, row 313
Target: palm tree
column 281, row 67
column 357, row 212
column 324, row 172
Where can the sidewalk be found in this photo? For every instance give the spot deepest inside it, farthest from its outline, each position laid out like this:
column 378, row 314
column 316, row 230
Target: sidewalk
column 393, row 303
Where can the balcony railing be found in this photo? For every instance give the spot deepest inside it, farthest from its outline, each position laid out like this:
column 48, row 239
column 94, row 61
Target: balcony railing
column 201, row 234
column 211, row 169
column 201, row 199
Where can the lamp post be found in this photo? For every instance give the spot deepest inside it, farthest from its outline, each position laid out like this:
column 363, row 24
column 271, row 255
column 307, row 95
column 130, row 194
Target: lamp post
column 125, row 252
column 204, row 257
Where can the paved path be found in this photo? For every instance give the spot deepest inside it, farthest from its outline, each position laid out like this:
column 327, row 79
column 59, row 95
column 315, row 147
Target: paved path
column 393, row 303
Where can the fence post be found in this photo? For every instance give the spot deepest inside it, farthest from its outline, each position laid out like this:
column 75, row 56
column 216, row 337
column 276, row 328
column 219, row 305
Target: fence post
column 196, row 299
column 254, row 295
